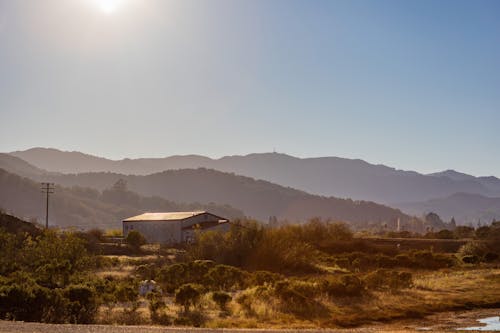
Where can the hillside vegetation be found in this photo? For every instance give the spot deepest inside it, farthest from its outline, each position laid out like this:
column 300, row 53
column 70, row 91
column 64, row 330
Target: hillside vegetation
column 257, row 198
column 87, row 208
column 290, row 276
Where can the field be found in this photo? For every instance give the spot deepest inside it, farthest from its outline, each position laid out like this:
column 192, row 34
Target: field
column 312, row 276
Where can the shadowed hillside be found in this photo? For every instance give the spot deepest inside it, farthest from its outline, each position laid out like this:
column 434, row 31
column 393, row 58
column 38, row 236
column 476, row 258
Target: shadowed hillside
column 257, row 198
column 84, row 207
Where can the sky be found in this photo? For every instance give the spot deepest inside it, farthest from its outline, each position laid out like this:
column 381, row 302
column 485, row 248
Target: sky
column 411, row 84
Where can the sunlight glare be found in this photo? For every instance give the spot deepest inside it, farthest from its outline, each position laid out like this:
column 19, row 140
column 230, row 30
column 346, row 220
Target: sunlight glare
column 108, row 6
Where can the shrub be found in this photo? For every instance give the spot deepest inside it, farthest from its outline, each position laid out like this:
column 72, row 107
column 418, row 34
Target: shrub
column 474, row 248
column 470, row 259
column 387, row 279
column 187, row 295
column 226, row 277
column 260, row 278
column 347, row 285
column 156, row 305
column 221, row 299
column 83, row 303
column 135, row 239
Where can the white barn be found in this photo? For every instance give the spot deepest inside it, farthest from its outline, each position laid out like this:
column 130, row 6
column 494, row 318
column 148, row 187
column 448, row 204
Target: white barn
column 173, row 227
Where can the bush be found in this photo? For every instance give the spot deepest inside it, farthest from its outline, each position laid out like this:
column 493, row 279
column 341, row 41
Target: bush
column 471, row 259
column 221, row 299
column 387, row 279
column 83, row 304
column 474, row 248
column 135, row 239
column 347, row 285
column 226, row 277
column 187, row 295
column 260, row 278
column 156, row 305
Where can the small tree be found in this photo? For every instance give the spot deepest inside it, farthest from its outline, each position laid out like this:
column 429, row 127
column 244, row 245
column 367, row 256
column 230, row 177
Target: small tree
column 187, row 295
column 135, row 239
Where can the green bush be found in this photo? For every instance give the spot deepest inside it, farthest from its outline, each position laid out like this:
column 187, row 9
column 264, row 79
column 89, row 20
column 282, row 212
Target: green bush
column 188, row 295
column 135, row 239
column 156, row 307
column 83, row 304
column 225, row 277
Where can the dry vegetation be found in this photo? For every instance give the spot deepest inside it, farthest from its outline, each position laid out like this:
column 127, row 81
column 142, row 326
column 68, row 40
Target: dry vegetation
column 312, row 276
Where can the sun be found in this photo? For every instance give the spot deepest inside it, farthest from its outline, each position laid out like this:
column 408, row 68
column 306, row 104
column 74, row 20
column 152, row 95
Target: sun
column 108, row 6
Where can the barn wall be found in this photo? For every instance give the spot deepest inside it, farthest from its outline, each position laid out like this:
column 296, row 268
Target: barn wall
column 156, row 231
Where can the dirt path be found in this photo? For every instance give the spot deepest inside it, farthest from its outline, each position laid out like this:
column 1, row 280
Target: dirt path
column 446, row 321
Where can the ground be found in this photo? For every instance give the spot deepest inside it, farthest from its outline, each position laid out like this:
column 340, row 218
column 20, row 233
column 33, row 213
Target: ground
column 446, row 321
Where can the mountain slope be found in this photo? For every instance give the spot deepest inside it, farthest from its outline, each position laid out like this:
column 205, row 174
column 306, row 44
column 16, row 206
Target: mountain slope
column 84, row 207
column 465, row 207
column 16, row 165
column 257, row 198
column 329, row 176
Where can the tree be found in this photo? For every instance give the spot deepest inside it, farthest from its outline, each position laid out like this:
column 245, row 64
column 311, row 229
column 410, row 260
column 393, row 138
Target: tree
column 135, row 239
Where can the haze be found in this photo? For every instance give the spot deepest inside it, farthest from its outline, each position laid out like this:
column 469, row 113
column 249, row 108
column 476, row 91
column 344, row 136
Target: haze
column 411, row 84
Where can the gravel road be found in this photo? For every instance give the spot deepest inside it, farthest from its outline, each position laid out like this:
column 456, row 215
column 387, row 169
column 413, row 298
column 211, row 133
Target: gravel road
column 21, row 327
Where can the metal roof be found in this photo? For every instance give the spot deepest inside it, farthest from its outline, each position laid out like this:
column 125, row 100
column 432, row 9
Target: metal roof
column 170, row 216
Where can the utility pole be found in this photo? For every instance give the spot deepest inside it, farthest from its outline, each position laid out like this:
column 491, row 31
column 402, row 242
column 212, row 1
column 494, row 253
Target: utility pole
column 47, row 188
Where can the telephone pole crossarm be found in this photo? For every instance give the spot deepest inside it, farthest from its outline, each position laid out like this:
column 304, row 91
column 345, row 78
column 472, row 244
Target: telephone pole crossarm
column 48, row 189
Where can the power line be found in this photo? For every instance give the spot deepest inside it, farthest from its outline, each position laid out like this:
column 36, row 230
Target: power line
column 48, row 189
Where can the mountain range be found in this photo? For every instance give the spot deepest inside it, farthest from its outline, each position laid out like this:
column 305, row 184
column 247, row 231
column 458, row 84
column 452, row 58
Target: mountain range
column 327, row 176
column 323, row 178
column 256, row 198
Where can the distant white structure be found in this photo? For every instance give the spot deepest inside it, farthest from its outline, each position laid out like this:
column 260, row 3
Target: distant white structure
column 173, row 227
column 148, row 286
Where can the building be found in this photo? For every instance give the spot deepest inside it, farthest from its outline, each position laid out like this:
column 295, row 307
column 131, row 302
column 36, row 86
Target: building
column 173, row 227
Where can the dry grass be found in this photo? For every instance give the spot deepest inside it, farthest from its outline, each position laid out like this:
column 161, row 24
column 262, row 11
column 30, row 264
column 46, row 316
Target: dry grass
column 432, row 292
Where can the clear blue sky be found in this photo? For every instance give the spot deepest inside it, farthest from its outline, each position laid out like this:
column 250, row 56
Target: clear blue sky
column 410, row 84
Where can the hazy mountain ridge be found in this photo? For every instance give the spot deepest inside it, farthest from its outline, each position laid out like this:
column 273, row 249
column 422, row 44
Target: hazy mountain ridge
column 464, row 207
column 257, row 198
column 328, row 176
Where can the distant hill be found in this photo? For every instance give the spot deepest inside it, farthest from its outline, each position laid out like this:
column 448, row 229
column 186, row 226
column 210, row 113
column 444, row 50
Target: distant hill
column 257, row 198
column 464, row 207
column 84, row 207
column 328, row 176
column 18, row 166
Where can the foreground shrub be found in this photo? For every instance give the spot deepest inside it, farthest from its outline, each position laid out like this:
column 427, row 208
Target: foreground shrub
column 135, row 239
column 387, row 279
column 347, row 285
column 297, row 298
column 187, row 295
column 221, row 299
column 226, row 277
column 474, row 248
column 82, row 305
column 156, row 309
